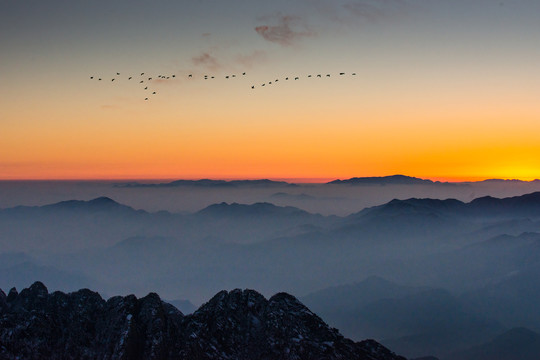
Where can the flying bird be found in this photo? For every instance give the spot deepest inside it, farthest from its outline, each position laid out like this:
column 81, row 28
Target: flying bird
column 129, row 78
column 190, row 75
column 318, row 75
column 154, row 93
column 341, row 73
column 117, row 73
column 142, row 74
column 243, row 73
column 140, row 82
column 145, row 98
column 296, row 78
column 146, row 88
column 112, row 79
column 353, row 73
column 253, row 86
column 91, row 77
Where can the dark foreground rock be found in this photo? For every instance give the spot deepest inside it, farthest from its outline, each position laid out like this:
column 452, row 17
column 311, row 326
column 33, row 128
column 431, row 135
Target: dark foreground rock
column 232, row 325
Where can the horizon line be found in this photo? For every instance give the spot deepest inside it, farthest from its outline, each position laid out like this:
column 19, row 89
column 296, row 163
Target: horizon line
column 293, row 180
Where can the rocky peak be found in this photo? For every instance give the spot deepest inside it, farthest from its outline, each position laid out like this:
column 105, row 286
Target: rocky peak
column 12, row 295
column 3, row 298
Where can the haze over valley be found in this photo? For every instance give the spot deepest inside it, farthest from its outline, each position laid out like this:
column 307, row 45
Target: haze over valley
column 463, row 272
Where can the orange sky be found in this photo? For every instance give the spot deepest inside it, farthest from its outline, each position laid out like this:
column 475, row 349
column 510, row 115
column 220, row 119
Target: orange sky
column 436, row 96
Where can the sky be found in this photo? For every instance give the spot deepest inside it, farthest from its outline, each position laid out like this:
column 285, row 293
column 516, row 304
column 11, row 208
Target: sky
column 444, row 89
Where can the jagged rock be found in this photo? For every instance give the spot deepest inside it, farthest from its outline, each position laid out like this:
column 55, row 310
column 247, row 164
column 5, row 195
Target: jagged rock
column 240, row 324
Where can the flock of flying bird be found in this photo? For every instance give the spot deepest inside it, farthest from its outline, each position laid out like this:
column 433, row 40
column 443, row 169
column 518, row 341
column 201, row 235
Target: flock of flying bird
column 145, row 80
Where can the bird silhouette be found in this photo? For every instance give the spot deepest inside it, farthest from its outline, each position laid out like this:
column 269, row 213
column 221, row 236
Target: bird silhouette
column 112, row 79
column 117, row 73
column 341, row 73
column 145, row 98
column 253, row 86
column 91, row 77
column 154, row 93
column 286, row 78
column 129, row 78
column 174, row 76
column 190, row 75
column 327, row 75
column 142, row 74
column 99, row 79
column 243, row 73
column 226, row 77
column 146, row 88
column 353, row 73
column 296, row 78
column 318, row 75
column 309, row 76
column 140, row 82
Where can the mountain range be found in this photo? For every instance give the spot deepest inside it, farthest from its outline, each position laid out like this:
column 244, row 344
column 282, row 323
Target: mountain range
column 476, row 262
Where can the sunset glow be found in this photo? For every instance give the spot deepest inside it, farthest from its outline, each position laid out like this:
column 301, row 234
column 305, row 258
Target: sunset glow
column 436, row 94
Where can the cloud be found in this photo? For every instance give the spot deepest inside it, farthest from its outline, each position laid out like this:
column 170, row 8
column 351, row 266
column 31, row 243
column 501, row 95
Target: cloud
column 207, row 61
column 287, row 31
column 252, row 59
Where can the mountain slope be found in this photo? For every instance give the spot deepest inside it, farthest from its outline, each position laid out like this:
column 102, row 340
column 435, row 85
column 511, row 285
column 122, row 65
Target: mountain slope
column 514, row 344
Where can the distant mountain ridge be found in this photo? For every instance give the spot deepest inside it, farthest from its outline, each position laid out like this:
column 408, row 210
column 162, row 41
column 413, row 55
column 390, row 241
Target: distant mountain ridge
column 411, row 180
column 209, row 183
column 523, row 205
column 514, row 344
column 261, row 208
column 384, row 180
column 240, row 325
column 414, row 320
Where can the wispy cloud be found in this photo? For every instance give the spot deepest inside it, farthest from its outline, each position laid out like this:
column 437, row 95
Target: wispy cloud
column 286, row 30
column 250, row 60
column 207, row 61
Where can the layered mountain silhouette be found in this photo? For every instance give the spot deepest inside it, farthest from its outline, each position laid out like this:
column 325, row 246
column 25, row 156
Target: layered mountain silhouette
column 240, row 324
column 476, row 263
column 383, row 180
column 414, row 320
column 514, row 344
column 209, row 183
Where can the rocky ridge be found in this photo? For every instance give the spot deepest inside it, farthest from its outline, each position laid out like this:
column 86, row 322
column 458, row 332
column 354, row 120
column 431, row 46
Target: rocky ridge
column 240, row 324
